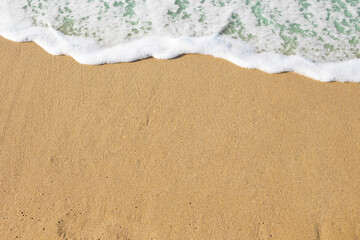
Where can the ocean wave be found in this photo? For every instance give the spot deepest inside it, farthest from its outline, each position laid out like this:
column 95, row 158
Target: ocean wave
column 319, row 40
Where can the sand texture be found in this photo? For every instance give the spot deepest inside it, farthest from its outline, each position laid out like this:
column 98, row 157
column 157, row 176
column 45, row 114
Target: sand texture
column 189, row 148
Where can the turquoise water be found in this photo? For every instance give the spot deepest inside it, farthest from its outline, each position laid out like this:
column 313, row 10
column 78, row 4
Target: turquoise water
column 319, row 39
column 325, row 30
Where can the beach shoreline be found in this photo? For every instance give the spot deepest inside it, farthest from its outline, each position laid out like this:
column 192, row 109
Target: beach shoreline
column 189, row 148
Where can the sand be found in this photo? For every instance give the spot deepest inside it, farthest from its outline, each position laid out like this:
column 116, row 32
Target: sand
column 189, row 148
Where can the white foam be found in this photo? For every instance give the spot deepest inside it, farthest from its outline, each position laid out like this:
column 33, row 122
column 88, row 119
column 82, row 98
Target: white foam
column 88, row 51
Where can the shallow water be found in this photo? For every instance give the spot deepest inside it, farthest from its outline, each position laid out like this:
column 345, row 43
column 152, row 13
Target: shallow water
column 249, row 33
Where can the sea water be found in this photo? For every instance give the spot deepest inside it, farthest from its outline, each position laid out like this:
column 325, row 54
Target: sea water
column 316, row 38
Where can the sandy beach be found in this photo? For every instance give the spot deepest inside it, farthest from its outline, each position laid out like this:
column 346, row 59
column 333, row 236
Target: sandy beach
column 190, row 148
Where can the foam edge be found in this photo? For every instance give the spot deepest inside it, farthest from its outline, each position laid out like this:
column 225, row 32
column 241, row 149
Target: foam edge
column 87, row 51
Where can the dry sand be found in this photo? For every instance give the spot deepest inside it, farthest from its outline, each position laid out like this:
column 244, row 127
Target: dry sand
column 190, row 148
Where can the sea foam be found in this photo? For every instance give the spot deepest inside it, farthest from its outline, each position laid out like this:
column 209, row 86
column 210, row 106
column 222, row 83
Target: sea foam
column 318, row 39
